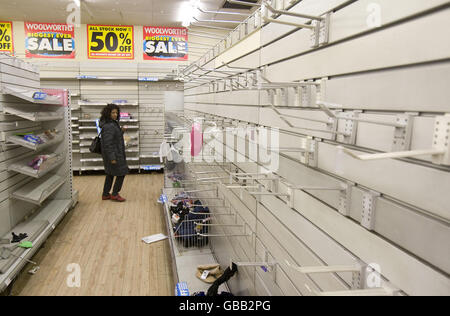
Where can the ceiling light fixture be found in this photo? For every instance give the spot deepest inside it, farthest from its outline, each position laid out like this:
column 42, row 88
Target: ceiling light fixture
column 77, row 2
column 187, row 12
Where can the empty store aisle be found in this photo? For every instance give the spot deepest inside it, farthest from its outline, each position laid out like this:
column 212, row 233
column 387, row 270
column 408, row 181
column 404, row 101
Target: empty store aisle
column 104, row 239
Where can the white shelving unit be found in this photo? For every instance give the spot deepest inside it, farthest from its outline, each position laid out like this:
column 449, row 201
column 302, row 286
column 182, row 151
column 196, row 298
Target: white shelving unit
column 64, row 75
column 103, row 83
column 93, row 85
column 35, row 204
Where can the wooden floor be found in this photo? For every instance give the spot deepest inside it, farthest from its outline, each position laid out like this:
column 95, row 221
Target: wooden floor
column 104, row 239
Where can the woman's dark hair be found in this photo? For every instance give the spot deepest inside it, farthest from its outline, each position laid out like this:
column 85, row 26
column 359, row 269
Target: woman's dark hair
column 106, row 112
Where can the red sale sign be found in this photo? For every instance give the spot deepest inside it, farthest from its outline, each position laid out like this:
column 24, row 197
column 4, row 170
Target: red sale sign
column 165, row 43
column 49, row 40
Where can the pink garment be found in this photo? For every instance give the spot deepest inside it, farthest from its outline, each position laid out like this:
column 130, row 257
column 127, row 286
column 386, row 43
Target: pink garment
column 196, row 139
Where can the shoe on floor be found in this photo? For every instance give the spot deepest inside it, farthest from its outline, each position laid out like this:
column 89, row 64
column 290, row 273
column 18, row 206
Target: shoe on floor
column 117, row 198
column 106, row 197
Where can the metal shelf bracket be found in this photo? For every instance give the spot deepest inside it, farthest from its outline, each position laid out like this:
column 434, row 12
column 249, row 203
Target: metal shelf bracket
column 369, row 205
column 266, row 265
column 440, row 152
column 319, row 25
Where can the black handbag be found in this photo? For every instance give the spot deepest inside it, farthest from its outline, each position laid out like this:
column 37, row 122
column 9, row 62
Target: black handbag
column 96, row 146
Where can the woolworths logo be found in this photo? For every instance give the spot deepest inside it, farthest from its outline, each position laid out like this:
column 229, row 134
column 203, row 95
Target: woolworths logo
column 241, row 144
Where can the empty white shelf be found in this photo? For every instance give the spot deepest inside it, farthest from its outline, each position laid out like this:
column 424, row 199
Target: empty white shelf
column 149, row 156
column 92, row 168
column 37, row 191
column 28, row 95
column 85, row 144
column 100, row 168
column 27, row 113
column 89, row 77
column 53, row 211
column 121, row 121
column 91, row 160
column 95, row 127
column 92, row 136
column 18, row 140
column 101, row 159
column 88, row 136
column 22, row 167
column 93, row 103
column 128, row 120
column 12, row 125
column 87, row 121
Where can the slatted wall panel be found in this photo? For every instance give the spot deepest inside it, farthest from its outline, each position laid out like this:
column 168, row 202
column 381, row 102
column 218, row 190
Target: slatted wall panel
column 379, row 75
column 151, row 114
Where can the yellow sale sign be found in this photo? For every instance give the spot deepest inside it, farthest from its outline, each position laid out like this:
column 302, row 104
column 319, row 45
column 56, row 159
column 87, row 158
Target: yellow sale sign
column 6, row 37
column 110, row 42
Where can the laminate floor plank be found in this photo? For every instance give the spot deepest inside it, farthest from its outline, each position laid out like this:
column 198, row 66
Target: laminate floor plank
column 104, row 239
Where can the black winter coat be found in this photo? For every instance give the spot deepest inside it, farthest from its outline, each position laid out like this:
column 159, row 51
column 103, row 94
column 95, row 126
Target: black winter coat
column 113, row 148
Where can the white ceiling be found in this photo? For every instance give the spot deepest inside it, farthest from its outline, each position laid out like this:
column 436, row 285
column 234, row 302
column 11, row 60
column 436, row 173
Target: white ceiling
column 125, row 12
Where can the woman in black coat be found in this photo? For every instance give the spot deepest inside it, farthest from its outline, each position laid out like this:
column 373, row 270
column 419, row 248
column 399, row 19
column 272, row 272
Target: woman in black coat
column 113, row 152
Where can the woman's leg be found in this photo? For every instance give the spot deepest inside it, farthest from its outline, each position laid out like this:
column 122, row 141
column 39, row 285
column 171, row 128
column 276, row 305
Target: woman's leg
column 108, row 184
column 118, row 185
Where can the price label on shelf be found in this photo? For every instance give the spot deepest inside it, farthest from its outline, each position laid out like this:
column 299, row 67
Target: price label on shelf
column 39, row 96
column 110, row 42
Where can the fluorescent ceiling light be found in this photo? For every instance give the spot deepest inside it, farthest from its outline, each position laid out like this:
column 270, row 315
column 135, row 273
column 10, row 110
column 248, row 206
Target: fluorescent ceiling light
column 77, row 2
column 187, row 12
